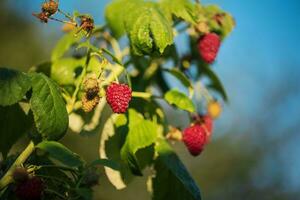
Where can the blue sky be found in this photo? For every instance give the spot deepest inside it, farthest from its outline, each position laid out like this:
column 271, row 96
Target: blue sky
column 261, row 55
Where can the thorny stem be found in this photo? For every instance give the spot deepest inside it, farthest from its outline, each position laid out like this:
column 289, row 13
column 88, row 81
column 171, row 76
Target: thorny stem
column 7, row 178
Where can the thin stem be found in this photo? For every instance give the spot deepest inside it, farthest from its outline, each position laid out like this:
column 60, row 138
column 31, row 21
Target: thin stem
column 143, row 95
column 56, row 193
column 114, row 44
column 7, row 178
column 128, row 79
column 117, row 71
column 65, row 96
column 79, row 182
column 73, row 172
column 63, row 21
column 60, row 167
column 70, row 107
column 51, row 178
column 66, row 14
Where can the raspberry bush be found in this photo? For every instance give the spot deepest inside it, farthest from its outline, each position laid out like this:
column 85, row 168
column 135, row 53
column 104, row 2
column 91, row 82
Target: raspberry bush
column 118, row 73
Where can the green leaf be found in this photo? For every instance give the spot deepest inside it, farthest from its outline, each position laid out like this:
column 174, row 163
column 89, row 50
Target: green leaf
column 61, row 153
column 180, row 100
column 64, row 44
column 182, row 78
column 13, row 86
column 172, row 180
column 215, row 82
column 183, row 9
column 51, row 169
column 13, row 124
column 65, row 71
column 150, row 31
column 48, row 107
column 142, row 133
column 115, row 14
column 44, row 67
column 112, row 139
column 107, row 163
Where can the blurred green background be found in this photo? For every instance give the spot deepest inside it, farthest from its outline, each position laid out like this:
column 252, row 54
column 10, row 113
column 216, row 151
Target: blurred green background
column 255, row 150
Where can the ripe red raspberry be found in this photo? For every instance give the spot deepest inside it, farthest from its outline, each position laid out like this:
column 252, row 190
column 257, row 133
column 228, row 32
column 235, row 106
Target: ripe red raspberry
column 208, row 47
column 31, row 189
column 194, row 137
column 118, row 97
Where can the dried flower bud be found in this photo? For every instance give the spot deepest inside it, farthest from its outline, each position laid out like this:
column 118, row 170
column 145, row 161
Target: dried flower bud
column 50, row 8
column 41, row 16
column 219, row 18
column 87, row 24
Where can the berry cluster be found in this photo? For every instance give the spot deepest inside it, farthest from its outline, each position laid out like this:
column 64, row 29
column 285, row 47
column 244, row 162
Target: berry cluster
column 118, row 97
column 208, row 47
column 198, row 134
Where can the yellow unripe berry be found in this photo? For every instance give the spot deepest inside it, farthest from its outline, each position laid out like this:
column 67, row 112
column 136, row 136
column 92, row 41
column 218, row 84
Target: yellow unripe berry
column 214, row 109
column 68, row 27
